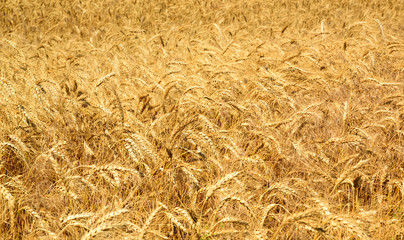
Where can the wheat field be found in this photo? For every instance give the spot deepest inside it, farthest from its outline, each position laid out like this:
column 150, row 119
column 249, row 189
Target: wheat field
column 245, row 119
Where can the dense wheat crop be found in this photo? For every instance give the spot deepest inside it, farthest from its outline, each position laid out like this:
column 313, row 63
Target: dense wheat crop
column 202, row 119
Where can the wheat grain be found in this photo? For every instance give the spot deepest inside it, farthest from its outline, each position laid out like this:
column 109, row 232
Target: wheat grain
column 349, row 225
column 347, row 172
column 146, row 225
column 236, row 199
column 92, row 233
column 229, row 220
column 102, row 80
column 266, row 211
column 76, row 216
column 108, row 216
column 10, row 201
column 176, row 222
column 211, row 190
column 186, row 215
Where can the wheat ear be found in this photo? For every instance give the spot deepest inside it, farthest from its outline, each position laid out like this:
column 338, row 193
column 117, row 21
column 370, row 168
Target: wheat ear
column 295, row 218
column 10, row 203
column 220, row 183
column 150, row 219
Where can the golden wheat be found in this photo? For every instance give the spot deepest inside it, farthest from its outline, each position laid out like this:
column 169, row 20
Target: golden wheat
column 214, row 120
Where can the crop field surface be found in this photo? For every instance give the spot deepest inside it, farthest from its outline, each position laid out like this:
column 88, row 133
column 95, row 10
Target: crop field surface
column 222, row 119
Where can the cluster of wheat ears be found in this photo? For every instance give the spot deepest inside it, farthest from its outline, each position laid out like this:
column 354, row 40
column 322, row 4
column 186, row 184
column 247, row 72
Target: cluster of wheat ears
column 214, row 119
